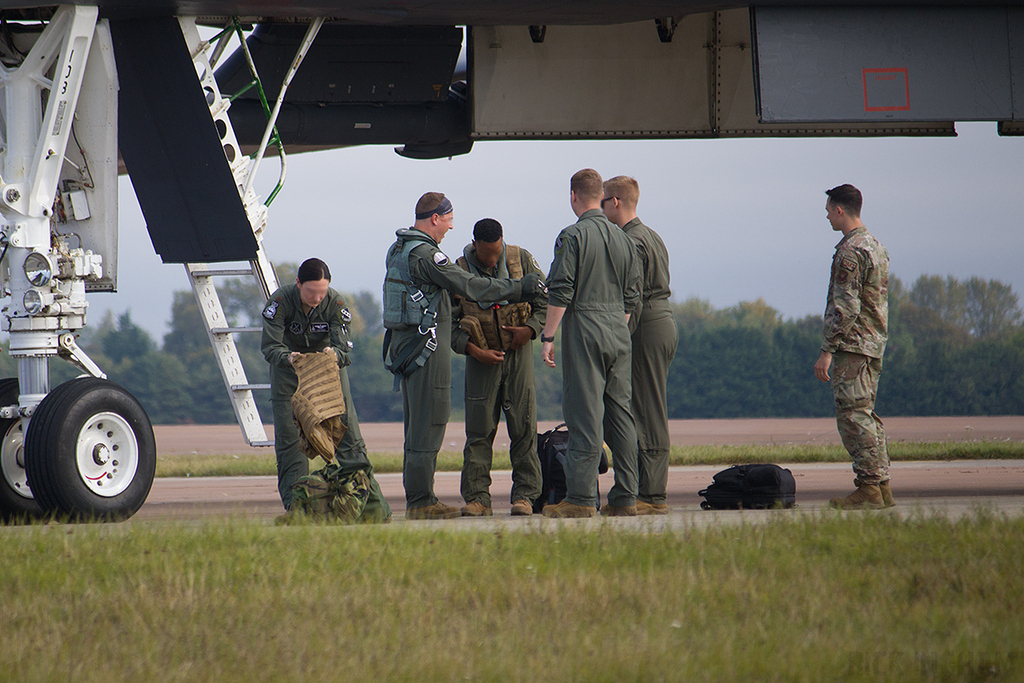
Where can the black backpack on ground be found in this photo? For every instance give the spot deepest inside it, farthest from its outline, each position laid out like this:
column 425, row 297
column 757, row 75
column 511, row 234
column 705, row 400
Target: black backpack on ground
column 750, row 486
column 552, row 446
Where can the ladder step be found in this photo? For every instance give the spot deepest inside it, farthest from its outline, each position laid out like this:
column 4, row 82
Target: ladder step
column 248, row 387
column 262, row 443
column 231, row 330
column 227, row 272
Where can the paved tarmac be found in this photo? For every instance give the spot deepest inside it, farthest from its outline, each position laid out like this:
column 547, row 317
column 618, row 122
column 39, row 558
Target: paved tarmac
column 954, row 489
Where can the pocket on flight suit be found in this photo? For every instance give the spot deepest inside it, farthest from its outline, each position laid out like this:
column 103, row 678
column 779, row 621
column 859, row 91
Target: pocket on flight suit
column 477, row 412
column 441, row 409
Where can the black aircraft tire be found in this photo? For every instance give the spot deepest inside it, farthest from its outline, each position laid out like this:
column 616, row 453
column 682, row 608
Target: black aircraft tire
column 90, row 452
column 16, row 500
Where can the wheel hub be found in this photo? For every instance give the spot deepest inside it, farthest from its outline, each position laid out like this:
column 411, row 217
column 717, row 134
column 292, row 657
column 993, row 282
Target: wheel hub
column 12, row 460
column 107, row 454
column 100, row 454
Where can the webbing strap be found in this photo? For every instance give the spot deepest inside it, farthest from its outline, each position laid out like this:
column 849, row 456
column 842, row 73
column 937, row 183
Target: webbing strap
column 412, row 358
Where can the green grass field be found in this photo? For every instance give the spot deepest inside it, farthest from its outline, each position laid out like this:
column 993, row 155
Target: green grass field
column 803, row 597
column 451, row 461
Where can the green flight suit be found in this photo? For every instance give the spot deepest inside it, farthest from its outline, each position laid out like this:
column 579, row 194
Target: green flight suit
column 856, row 331
column 286, row 329
column 596, row 275
column 492, row 389
column 655, row 337
column 426, row 393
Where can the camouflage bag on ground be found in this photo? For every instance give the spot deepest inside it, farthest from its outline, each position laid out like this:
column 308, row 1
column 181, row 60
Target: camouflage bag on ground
column 329, row 494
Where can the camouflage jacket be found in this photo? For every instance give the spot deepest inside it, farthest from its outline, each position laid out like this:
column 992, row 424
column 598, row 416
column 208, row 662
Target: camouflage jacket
column 857, row 312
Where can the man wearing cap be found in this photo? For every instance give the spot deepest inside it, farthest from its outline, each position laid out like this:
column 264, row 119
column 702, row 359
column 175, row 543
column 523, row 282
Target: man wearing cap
column 654, row 337
column 418, row 314
column 594, row 284
column 495, row 336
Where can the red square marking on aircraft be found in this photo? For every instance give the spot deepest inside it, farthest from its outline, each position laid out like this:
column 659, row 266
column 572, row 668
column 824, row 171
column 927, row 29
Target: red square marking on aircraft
column 886, row 90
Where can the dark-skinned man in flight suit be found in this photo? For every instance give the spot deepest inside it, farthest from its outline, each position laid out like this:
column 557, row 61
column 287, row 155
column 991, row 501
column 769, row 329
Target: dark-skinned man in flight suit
column 418, row 316
column 594, row 284
column 308, row 317
column 654, row 338
column 495, row 336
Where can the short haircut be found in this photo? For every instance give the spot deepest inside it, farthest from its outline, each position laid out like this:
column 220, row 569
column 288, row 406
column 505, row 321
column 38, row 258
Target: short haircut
column 587, row 185
column 846, row 196
column 625, row 188
column 487, row 230
column 429, row 202
column 313, row 269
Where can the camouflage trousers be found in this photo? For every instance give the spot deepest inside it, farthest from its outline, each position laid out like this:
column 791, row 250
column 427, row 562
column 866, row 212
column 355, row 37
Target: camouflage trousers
column 854, row 385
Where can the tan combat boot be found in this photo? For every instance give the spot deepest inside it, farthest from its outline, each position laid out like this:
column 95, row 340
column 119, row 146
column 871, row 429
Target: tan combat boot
column 619, row 511
column 886, row 490
column 476, row 509
column 645, row 508
column 436, row 511
column 866, row 497
column 522, row 508
column 567, row 510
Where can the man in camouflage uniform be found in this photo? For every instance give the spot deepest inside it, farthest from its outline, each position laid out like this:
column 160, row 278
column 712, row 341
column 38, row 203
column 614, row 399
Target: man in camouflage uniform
column 308, row 317
column 654, row 338
column 594, row 283
column 426, row 389
column 856, row 330
column 495, row 336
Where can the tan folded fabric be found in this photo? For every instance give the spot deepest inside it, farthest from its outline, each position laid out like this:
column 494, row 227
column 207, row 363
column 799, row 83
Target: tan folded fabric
column 318, row 404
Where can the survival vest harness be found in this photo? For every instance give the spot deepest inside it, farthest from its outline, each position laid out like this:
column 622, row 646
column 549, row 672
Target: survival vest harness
column 407, row 305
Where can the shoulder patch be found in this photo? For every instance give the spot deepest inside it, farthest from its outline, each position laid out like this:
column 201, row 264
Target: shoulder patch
column 346, row 315
column 270, row 310
column 535, row 264
column 558, row 243
column 440, row 259
column 848, row 264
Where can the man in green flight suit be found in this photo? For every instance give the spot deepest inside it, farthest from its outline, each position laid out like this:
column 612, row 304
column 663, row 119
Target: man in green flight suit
column 495, row 336
column 856, row 330
column 309, row 317
column 418, row 316
column 594, row 283
column 654, row 337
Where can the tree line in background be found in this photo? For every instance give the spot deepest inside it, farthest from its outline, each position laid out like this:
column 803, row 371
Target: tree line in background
column 955, row 348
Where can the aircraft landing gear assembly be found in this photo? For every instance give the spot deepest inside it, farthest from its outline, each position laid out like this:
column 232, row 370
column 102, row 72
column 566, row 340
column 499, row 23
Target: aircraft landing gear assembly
column 84, row 450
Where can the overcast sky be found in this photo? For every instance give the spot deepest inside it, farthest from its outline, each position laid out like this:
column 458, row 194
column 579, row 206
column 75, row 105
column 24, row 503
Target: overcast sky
column 742, row 219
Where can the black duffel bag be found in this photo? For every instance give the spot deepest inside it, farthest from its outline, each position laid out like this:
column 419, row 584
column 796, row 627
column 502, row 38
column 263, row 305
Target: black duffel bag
column 750, row 486
column 552, row 446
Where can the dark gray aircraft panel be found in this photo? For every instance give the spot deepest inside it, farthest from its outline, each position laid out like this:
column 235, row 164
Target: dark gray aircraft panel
column 171, row 149
column 885, row 64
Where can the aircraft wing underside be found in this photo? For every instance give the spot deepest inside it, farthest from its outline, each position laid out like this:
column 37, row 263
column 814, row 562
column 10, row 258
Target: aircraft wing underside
column 456, row 12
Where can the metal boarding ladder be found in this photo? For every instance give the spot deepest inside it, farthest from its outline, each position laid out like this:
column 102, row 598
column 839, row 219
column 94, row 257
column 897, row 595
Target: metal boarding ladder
column 202, row 277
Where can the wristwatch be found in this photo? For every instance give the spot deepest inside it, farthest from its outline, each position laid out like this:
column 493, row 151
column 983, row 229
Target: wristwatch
column 545, row 340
